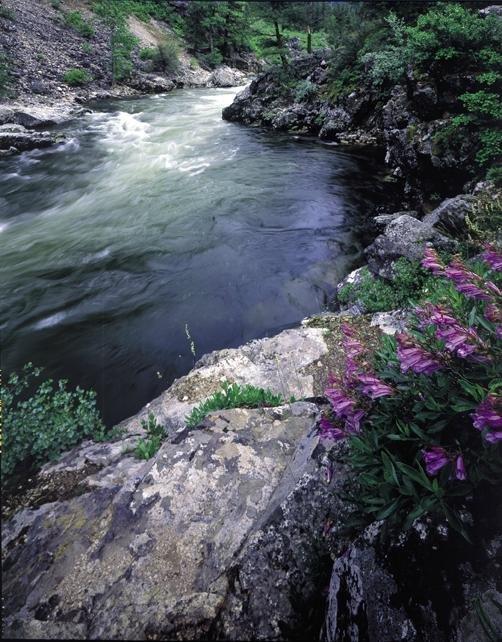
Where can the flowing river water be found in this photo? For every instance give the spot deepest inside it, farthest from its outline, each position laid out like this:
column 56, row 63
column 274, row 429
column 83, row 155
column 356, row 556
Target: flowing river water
column 158, row 224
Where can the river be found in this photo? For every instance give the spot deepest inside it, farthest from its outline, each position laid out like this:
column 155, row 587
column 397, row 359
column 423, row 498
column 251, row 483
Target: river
column 158, row 230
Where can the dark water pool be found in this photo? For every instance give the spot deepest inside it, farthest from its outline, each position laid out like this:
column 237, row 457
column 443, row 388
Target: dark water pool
column 158, row 220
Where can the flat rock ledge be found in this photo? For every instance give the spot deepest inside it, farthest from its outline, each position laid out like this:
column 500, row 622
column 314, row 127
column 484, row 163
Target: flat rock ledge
column 220, row 536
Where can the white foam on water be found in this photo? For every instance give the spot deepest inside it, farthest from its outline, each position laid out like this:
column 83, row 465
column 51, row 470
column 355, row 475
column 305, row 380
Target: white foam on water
column 71, row 145
column 125, row 126
column 91, row 258
column 3, row 227
column 51, row 321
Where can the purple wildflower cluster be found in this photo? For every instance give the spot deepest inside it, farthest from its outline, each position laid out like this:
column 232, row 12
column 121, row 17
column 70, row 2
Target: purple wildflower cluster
column 415, row 358
column 464, row 342
column 351, row 395
column 467, row 282
column 459, row 340
column 492, row 257
column 488, row 418
column 437, row 457
column 344, row 395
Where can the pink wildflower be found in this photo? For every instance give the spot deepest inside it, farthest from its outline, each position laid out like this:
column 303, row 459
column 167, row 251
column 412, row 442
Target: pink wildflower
column 488, row 417
column 374, row 387
column 492, row 257
column 435, row 458
column 460, row 472
column 431, row 261
column 413, row 357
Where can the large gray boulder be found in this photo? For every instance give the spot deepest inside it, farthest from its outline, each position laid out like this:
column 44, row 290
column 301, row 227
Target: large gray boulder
column 219, row 536
column 225, row 76
column 292, row 363
column 404, row 237
column 450, row 215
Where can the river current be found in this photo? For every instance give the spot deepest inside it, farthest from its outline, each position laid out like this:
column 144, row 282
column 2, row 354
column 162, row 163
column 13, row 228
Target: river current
column 158, row 230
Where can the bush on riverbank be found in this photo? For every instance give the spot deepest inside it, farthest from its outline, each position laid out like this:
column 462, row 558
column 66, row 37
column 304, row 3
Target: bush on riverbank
column 76, row 77
column 52, row 419
column 423, row 415
column 446, row 40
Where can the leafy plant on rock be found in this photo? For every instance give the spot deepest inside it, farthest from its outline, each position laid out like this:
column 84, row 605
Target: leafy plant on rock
column 233, row 395
column 146, row 448
column 410, row 282
column 52, row 419
column 423, row 416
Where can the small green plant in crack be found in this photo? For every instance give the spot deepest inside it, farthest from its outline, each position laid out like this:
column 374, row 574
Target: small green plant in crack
column 146, row 448
column 233, row 395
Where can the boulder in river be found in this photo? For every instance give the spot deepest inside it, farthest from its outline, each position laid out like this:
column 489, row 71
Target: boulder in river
column 20, row 139
column 225, row 76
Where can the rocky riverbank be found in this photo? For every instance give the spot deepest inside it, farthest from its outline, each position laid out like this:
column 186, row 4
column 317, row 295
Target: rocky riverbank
column 410, row 122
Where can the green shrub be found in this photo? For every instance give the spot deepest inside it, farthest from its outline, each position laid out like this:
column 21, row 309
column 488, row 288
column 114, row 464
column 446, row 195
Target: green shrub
column 87, row 47
column 118, row 10
column 305, row 90
column 146, row 448
column 423, row 415
column 7, row 13
column 389, row 64
column 148, row 53
column 168, row 56
column 75, row 20
column 76, row 77
column 212, row 59
column 37, row 428
column 409, row 284
column 56, row 4
column 123, row 42
column 233, row 396
column 495, row 174
column 451, row 37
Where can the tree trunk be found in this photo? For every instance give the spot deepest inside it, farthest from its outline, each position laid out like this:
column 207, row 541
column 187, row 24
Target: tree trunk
column 309, row 40
column 280, row 44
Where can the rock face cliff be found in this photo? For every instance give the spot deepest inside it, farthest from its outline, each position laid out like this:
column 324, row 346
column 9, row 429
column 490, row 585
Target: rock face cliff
column 404, row 124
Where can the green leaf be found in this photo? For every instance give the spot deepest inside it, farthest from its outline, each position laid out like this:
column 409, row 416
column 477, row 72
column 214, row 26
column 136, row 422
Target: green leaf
column 388, row 510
